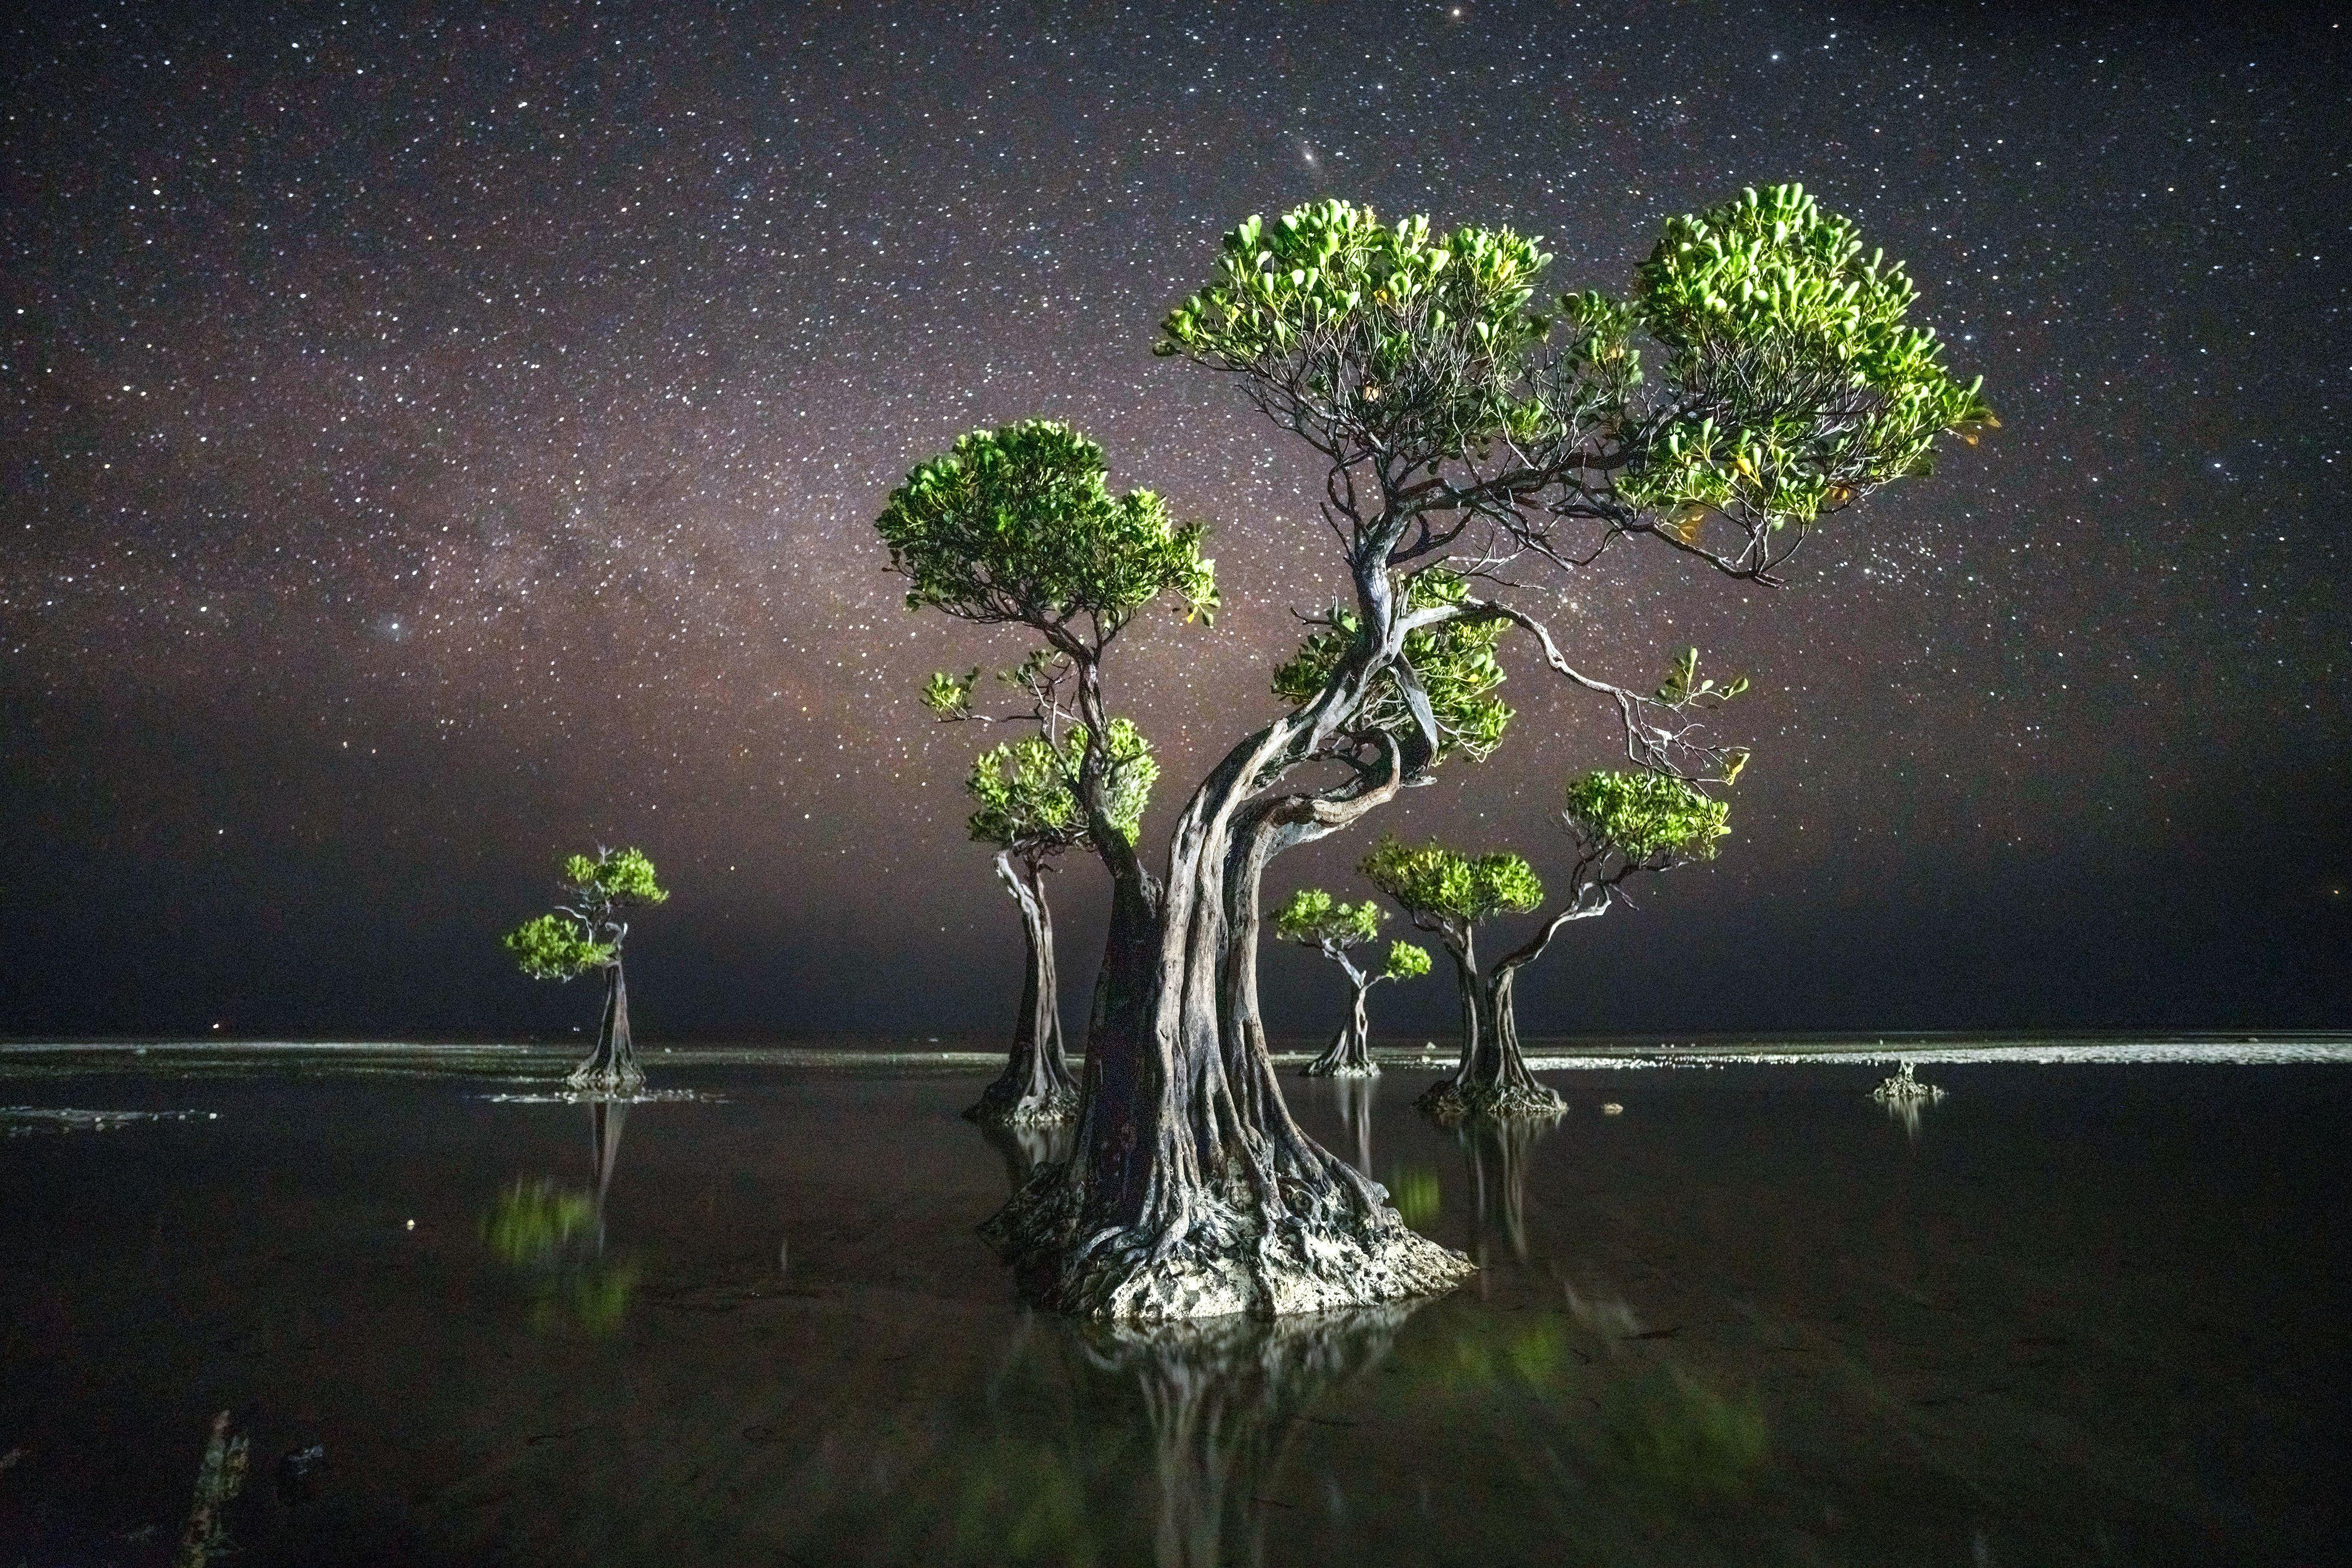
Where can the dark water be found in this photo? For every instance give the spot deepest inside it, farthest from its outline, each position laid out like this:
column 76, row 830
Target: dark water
column 2084, row 1314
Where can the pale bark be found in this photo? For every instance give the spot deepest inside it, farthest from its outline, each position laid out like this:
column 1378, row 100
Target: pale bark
column 1036, row 1085
column 612, row 1068
column 1491, row 1078
column 1350, row 1054
column 1193, row 1192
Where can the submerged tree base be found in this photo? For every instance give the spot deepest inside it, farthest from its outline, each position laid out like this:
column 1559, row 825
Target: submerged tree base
column 1015, row 1109
column 1226, row 1255
column 620, row 1083
column 1449, row 1101
column 1349, row 1055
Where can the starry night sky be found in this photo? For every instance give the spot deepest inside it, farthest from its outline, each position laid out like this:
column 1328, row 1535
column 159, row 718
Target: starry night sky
column 430, row 445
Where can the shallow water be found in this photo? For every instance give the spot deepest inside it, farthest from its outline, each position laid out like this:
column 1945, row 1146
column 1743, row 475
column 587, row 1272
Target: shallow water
column 2087, row 1312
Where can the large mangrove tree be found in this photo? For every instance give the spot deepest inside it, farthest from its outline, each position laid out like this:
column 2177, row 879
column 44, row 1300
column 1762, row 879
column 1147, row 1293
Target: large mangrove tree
column 1760, row 375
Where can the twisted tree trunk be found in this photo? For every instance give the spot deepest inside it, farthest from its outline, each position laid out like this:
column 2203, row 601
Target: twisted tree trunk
column 1035, row 1086
column 1492, row 1077
column 1193, row 1192
column 1350, row 1054
column 612, row 1068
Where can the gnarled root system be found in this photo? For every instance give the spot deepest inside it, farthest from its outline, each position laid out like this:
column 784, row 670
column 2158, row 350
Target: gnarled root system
column 1449, row 1101
column 1219, row 1250
column 1014, row 1105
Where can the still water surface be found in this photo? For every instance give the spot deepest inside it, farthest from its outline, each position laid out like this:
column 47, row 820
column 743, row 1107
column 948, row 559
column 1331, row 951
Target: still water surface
column 2085, row 1313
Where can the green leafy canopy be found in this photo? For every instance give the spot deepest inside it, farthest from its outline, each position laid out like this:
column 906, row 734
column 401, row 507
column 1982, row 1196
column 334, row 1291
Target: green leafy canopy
column 1802, row 382
column 1430, row 881
column 584, row 933
column 1455, row 661
column 1639, row 815
column 1019, row 523
column 1789, row 380
column 556, row 947
column 1024, row 792
column 1312, row 917
column 619, row 877
column 1406, row 961
column 1420, row 333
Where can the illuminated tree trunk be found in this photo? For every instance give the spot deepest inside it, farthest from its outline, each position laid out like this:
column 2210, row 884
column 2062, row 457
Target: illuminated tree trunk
column 1193, row 1192
column 612, row 1068
column 1035, row 1085
column 1492, row 1077
column 1350, row 1054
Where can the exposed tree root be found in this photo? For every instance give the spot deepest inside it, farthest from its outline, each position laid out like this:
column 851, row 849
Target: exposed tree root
column 1004, row 1104
column 1448, row 1102
column 619, row 1083
column 1344, row 1070
column 1218, row 1253
column 1349, row 1055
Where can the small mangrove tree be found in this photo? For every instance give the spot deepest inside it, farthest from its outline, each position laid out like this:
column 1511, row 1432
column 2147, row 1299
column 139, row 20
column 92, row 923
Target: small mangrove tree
column 1023, row 804
column 583, row 935
column 1622, row 822
column 1314, row 919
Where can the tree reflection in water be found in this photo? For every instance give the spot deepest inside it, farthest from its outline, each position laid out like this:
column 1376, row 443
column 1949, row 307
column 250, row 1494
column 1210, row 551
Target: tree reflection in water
column 1092, row 1443
column 1357, row 1093
column 1239, row 1441
column 554, row 1238
column 1593, row 1412
column 1227, row 1399
column 1089, row 1444
column 1905, row 1113
column 1499, row 1151
column 1026, row 1145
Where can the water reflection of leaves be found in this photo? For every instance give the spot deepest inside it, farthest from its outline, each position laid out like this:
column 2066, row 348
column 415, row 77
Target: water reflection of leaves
column 1683, row 1438
column 531, row 1222
column 1416, row 1195
column 554, row 1239
column 1580, row 1414
column 1019, row 1501
column 1043, row 1466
